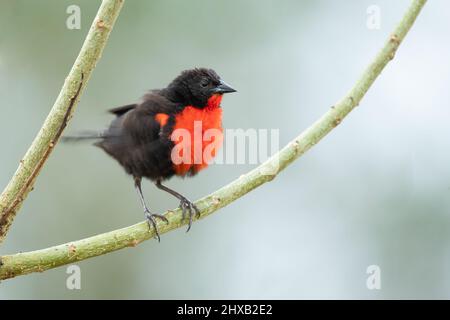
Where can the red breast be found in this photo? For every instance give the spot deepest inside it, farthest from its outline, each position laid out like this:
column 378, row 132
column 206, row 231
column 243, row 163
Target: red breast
column 204, row 129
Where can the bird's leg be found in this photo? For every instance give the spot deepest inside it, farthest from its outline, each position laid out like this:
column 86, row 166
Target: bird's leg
column 148, row 215
column 185, row 204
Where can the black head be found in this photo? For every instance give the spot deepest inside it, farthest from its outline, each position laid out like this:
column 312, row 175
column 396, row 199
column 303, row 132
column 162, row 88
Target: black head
column 196, row 86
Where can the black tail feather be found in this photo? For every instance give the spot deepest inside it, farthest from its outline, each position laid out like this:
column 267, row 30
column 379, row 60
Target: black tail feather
column 83, row 136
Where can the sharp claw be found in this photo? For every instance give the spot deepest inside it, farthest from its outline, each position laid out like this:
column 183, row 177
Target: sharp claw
column 197, row 212
column 152, row 223
column 183, row 210
column 190, row 221
column 160, row 216
column 188, row 206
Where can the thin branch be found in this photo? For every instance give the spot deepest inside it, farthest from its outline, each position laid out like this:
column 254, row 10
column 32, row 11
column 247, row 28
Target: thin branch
column 41, row 260
column 30, row 166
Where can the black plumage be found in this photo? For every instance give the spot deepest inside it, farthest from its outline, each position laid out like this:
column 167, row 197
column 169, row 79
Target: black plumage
column 142, row 144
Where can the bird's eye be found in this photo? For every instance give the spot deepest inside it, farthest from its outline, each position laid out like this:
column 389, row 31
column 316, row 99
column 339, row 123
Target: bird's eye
column 204, row 83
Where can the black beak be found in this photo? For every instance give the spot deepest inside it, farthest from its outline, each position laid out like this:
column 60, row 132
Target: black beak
column 223, row 88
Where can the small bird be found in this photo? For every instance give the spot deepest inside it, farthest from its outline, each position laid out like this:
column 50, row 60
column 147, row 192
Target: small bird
column 156, row 138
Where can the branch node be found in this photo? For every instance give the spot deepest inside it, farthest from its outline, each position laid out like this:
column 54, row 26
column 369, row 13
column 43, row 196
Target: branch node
column 101, row 24
column 216, row 200
column 352, row 100
column 392, row 54
column 134, row 243
column 394, row 39
column 72, row 249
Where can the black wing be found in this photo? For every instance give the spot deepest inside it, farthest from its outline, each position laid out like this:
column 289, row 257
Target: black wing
column 119, row 111
column 136, row 141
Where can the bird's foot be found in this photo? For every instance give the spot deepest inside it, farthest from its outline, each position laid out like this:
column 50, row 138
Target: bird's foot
column 151, row 219
column 188, row 206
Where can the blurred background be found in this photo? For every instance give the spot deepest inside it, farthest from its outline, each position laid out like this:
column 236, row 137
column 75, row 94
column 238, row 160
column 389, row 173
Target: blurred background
column 376, row 191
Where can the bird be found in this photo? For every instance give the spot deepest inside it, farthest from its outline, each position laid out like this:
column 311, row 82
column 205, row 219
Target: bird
column 163, row 135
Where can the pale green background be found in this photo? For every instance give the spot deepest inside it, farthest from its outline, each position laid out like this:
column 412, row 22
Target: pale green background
column 375, row 191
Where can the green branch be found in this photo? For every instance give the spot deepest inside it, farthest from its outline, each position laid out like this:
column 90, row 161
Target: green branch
column 31, row 164
column 41, row 260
